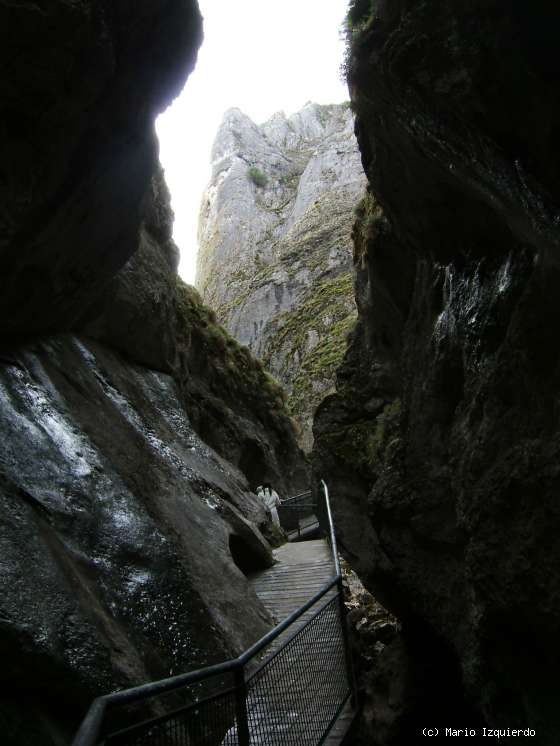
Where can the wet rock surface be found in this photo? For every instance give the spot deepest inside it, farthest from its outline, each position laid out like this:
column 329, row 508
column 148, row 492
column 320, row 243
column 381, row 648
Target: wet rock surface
column 124, row 536
column 115, row 532
column 441, row 445
column 274, row 256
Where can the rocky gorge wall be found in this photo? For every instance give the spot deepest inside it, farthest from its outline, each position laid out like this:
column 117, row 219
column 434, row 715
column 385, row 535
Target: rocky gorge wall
column 274, row 257
column 133, row 426
column 82, row 84
column 115, row 531
column 441, row 443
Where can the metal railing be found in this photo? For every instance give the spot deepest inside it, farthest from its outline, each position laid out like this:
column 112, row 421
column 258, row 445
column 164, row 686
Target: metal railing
column 285, row 690
column 298, row 515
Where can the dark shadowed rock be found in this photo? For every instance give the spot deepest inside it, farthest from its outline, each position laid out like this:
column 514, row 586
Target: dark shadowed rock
column 443, row 439
column 81, row 85
column 137, row 311
column 123, row 535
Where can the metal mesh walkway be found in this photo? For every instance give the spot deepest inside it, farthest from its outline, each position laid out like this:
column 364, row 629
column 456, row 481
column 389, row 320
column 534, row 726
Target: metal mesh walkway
column 290, row 688
column 283, row 693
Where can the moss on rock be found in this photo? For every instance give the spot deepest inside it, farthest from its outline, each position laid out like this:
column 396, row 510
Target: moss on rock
column 366, row 445
column 233, row 402
column 244, row 371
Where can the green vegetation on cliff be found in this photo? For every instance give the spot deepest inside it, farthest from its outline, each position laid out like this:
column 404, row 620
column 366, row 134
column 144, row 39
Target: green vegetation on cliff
column 319, row 366
column 258, row 177
column 366, row 445
column 318, row 308
column 232, row 373
column 368, row 213
column 275, row 263
column 360, row 14
column 315, row 333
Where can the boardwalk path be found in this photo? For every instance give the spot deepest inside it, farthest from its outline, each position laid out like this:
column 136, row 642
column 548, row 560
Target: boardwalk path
column 280, row 702
column 301, row 569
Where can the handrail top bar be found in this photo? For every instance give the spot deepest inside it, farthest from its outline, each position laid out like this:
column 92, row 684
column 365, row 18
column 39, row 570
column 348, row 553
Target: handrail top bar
column 90, row 728
column 88, row 733
column 295, row 497
column 297, row 507
column 94, row 717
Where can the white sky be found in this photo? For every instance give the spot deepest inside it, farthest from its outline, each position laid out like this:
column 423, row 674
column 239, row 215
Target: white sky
column 260, row 56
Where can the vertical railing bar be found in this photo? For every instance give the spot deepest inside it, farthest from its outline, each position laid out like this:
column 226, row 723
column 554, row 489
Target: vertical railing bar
column 346, row 643
column 347, row 652
column 243, row 735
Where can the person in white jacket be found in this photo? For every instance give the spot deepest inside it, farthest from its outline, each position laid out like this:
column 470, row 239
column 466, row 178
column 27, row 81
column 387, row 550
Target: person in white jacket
column 271, row 501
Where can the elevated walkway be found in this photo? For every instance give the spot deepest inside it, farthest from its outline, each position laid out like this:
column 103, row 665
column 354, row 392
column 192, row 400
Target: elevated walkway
column 291, row 688
column 298, row 517
column 301, row 570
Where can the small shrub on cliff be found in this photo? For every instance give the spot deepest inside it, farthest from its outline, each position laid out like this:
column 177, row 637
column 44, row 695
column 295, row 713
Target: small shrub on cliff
column 360, row 13
column 359, row 16
column 229, row 370
column 258, row 177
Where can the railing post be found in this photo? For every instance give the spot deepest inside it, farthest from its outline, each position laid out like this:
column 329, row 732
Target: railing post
column 345, row 637
column 346, row 642
column 243, row 735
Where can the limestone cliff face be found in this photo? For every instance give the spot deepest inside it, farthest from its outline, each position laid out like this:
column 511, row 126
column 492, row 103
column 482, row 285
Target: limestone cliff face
column 442, row 442
column 274, row 256
column 133, row 427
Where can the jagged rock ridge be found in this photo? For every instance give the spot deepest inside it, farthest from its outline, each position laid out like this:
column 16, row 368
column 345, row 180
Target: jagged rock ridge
column 441, row 445
column 274, row 255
